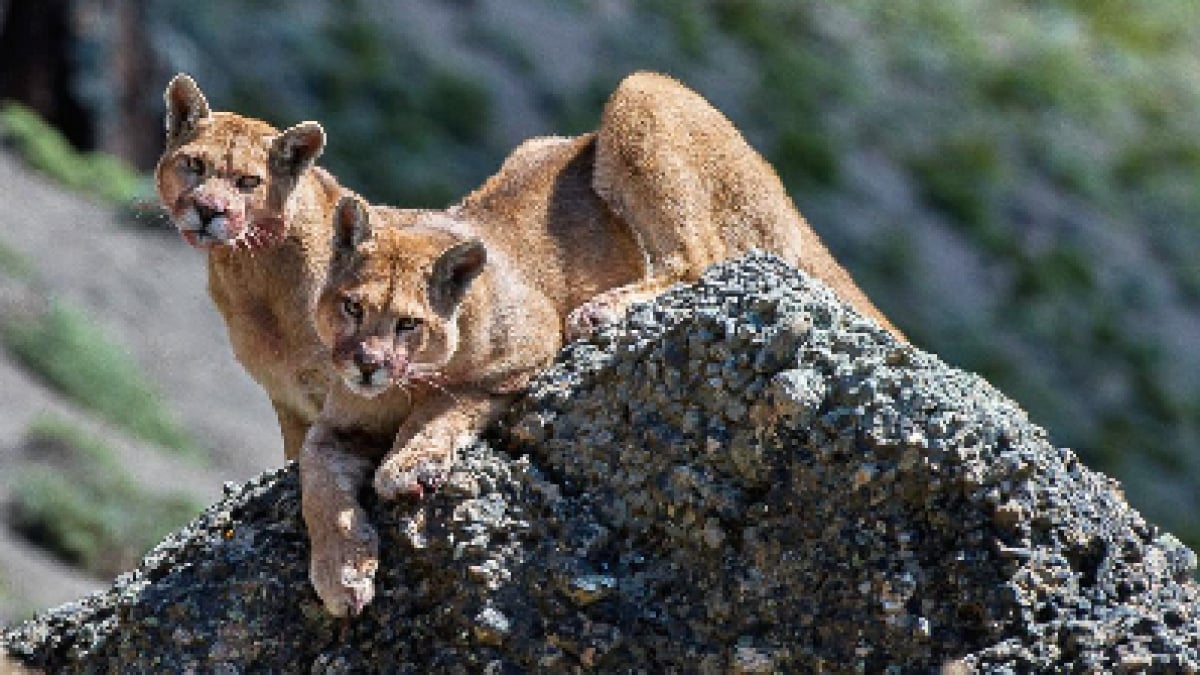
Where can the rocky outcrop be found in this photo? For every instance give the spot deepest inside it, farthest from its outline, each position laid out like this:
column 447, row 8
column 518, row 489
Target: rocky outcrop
column 745, row 477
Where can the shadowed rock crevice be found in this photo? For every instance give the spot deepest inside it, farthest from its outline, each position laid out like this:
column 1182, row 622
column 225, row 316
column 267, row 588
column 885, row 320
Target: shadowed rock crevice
column 746, row 476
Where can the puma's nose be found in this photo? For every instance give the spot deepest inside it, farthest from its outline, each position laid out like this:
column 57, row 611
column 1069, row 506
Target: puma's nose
column 369, row 365
column 366, row 363
column 208, row 213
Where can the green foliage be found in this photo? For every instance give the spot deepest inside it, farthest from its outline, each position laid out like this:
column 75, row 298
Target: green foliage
column 960, row 176
column 45, row 149
column 461, row 104
column 15, row 265
column 1142, row 26
column 86, row 508
column 690, row 27
column 1062, row 269
column 1050, row 76
column 1139, row 164
column 751, row 21
column 800, row 79
column 580, row 112
column 507, row 47
column 68, row 350
column 804, row 156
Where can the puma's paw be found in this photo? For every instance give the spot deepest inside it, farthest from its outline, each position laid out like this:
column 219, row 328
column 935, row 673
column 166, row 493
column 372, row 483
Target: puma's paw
column 343, row 567
column 589, row 317
column 395, row 479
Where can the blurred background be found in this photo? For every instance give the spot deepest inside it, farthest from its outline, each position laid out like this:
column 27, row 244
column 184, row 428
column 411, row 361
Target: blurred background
column 1016, row 184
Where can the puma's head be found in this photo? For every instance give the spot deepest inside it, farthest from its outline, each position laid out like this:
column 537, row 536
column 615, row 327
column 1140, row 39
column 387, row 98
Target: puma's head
column 388, row 309
column 226, row 178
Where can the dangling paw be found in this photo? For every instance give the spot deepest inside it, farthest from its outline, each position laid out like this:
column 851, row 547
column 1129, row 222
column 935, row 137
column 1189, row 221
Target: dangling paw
column 343, row 568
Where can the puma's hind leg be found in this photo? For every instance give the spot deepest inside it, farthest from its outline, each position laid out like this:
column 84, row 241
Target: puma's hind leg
column 694, row 192
column 649, row 172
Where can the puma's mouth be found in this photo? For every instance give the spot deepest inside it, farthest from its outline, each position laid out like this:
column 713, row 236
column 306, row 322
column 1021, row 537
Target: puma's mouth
column 367, row 385
column 204, row 234
column 204, row 237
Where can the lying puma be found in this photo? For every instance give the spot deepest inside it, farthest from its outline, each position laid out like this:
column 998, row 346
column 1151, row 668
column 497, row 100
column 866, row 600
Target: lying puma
column 251, row 197
column 437, row 320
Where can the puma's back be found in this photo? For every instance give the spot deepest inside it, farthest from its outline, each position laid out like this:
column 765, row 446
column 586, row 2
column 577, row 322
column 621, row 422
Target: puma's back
column 541, row 212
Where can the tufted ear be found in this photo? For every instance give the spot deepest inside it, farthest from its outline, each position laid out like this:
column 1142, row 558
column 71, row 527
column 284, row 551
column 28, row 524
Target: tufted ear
column 295, row 150
column 351, row 224
column 186, row 107
column 453, row 273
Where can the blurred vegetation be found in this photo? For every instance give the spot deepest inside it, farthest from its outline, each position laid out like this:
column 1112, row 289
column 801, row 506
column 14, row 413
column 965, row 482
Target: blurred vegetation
column 15, row 265
column 83, row 506
column 45, row 149
column 71, row 353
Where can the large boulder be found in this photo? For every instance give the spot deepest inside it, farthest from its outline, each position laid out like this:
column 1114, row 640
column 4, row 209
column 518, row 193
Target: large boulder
column 745, row 476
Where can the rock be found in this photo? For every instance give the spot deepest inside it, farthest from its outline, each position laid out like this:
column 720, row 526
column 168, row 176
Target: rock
column 745, row 477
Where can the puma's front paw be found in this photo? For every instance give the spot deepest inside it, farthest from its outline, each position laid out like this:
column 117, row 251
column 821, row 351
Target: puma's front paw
column 589, row 317
column 396, row 478
column 342, row 568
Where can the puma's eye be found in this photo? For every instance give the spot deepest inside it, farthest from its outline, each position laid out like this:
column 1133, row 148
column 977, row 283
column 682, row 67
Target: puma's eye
column 352, row 308
column 407, row 323
column 248, row 182
column 194, row 165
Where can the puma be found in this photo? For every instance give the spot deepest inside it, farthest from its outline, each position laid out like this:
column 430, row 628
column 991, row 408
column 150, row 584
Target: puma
column 436, row 320
column 251, row 197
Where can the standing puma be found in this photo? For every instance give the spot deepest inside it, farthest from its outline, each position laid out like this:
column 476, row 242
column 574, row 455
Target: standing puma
column 250, row 196
column 436, row 320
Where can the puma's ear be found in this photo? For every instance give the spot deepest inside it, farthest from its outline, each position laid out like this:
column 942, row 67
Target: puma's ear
column 186, row 107
column 292, row 153
column 453, row 273
column 295, row 150
column 351, row 224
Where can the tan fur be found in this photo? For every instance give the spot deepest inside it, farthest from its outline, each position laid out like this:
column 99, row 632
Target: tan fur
column 565, row 236
column 267, row 260
column 695, row 193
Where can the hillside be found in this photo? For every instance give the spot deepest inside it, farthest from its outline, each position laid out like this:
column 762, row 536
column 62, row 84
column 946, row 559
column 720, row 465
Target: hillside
column 145, row 293
column 1014, row 184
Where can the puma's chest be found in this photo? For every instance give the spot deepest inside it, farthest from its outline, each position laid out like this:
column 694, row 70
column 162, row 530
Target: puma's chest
column 272, row 336
column 257, row 329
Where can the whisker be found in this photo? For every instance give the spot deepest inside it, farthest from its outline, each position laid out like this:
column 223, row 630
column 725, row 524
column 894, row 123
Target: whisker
column 430, row 378
column 252, row 243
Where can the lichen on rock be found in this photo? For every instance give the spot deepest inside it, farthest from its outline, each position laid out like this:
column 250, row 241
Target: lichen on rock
column 744, row 476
